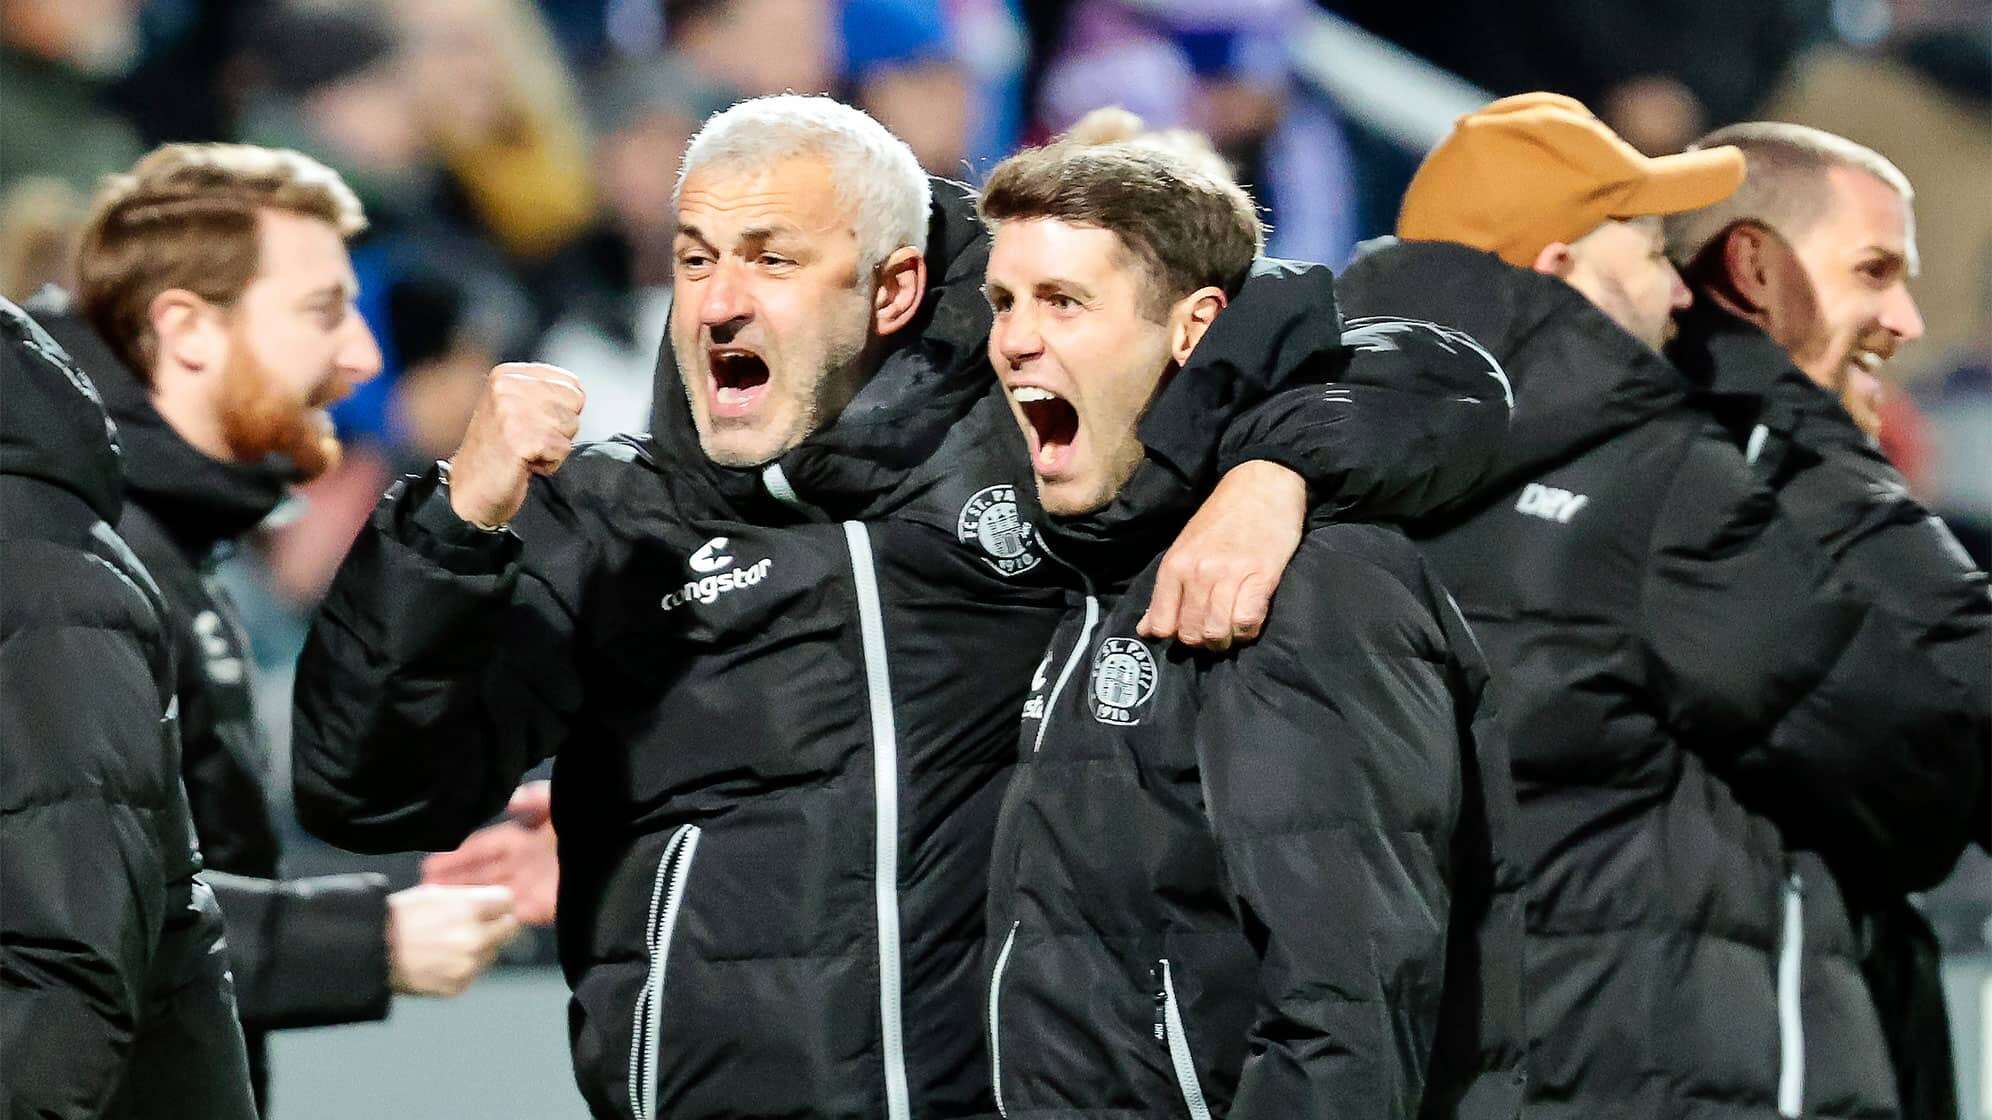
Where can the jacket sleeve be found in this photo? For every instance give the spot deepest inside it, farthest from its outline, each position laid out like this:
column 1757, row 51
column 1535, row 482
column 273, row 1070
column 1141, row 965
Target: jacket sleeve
column 1844, row 495
column 436, row 672
column 1414, row 414
column 306, row 952
column 1330, row 761
column 1817, row 703
column 84, row 880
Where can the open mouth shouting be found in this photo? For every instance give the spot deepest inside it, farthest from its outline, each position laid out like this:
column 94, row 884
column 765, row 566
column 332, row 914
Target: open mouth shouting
column 1052, row 427
column 739, row 380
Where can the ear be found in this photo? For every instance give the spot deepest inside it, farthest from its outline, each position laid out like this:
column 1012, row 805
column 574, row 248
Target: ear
column 192, row 337
column 1556, row 260
column 902, row 284
column 1745, row 265
column 1190, row 318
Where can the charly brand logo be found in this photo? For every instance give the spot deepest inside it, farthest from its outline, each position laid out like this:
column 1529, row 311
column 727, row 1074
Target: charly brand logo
column 993, row 522
column 1550, row 503
column 712, row 558
column 1123, row 680
column 1034, row 707
column 223, row 666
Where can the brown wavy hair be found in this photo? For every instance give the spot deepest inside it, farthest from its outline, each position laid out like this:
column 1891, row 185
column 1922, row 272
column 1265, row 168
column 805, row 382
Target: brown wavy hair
column 1184, row 227
column 185, row 217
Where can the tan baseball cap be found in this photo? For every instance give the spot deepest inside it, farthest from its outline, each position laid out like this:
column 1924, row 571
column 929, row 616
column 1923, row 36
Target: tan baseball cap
column 1538, row 168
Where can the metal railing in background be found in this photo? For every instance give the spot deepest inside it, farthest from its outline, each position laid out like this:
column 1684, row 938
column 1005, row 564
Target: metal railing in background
column 1380, row 85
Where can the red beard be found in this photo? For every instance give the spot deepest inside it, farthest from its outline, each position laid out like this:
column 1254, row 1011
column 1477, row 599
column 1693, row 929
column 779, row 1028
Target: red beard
column 259, row 418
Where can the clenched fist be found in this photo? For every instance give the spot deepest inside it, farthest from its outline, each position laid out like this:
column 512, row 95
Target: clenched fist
column 524, row 425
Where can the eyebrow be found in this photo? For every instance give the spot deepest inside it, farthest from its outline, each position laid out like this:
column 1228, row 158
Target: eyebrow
column 1061, row 286
column 339, row 291
column 1056, row 285
column 769, row 232
column 1894, row 258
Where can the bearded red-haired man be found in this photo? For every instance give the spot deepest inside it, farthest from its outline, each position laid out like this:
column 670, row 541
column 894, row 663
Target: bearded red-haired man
column 215, row 311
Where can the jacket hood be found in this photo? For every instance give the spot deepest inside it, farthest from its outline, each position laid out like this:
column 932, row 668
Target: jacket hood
column 1387, row 418
column 1731, row 360
column 1577, row 377
column 53, row 427
column 925, row 385
column 201, row 500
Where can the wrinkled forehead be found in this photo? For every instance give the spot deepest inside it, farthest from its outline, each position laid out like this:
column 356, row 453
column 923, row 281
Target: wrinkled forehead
column 796, row 195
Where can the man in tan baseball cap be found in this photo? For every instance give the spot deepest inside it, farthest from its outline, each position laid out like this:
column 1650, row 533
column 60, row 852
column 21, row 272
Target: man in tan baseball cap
column 1538, row 168
column 1540, row 182
column 1714, row 796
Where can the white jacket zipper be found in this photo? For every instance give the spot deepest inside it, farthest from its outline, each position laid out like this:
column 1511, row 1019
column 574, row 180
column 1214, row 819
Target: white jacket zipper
column 1179, row 1048
column 667, row 895
column 1791, row 1027
column 1071, row 663
column 995, row 998
column 885, row 834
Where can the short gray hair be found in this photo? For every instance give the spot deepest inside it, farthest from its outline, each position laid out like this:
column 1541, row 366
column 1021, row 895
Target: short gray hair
column 1784, row 184
column 873, row 172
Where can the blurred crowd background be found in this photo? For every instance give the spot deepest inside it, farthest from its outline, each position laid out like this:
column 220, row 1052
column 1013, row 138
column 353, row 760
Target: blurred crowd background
column 516, row 159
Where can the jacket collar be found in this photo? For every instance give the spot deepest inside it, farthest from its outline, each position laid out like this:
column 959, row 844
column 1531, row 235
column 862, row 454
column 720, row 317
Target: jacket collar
column 199, row 500
column 1578, row 377
column 1724, row 355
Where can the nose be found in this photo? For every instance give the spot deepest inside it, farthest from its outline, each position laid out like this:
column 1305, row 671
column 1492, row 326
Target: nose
column 1899, row 314
column 1014, row 339
column 359, row 354
column 723, row 296
column 1679, row 297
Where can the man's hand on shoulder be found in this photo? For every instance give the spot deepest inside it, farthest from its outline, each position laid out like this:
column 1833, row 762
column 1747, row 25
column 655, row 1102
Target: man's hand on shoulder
column 1215, row 585
column 524, row 425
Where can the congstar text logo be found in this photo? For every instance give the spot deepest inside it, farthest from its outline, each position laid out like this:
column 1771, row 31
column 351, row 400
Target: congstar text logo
column 712, row 557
